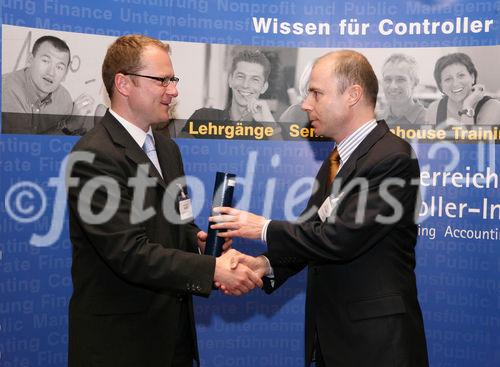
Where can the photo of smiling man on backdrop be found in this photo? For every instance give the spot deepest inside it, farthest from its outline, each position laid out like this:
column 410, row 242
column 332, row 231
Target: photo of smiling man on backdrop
column 35, row 102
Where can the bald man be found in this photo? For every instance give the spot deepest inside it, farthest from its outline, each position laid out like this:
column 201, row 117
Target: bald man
column 357, row 234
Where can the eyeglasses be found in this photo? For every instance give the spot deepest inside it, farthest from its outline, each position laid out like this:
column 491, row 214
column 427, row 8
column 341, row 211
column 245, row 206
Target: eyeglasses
column 165, row 82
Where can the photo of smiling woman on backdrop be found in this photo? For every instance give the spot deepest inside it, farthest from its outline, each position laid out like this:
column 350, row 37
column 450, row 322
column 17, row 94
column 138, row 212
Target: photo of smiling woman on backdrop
column 465, row 101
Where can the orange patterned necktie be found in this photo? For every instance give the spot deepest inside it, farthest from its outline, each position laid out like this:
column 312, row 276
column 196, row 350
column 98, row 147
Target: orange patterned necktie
column 334, row 160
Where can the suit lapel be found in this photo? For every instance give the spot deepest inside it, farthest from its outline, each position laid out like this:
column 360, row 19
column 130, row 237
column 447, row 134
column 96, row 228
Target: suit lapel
column 121, row 137
column 319, row 192
column 348, row 169
column 322, row 178
column 167, row 163
column 165, row 158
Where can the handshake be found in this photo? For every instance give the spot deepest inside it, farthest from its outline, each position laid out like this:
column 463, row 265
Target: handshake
column 237, row 273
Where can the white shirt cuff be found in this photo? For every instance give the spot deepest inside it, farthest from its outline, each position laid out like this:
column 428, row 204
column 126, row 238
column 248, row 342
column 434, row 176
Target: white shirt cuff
column 270, row 271
column 263, row 235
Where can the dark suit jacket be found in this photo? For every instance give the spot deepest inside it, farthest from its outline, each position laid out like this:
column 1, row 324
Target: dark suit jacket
column 361, row 293
column 130, row 277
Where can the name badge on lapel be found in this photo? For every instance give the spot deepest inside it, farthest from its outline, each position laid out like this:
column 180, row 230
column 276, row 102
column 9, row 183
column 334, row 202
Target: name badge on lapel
column 185, row 208
column 329, row 205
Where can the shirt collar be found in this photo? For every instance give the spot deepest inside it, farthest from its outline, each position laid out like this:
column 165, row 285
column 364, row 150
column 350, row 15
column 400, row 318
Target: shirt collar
column 135, row 132
column 349, row 144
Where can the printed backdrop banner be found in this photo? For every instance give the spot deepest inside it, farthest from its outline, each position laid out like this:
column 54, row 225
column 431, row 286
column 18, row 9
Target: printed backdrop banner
column 274, row 154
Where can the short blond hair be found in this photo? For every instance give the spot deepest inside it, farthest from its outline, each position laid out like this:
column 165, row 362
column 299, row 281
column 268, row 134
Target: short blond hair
column 125, row 56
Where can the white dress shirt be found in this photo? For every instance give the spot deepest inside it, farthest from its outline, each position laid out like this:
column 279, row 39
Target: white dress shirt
column 137, row 133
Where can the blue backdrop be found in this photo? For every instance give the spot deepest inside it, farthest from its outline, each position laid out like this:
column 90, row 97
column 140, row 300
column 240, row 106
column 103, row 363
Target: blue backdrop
column 458, row 250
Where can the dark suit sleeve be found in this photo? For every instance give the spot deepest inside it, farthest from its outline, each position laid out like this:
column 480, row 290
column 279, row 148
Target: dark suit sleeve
column 344, row 239
column 281, row 274
column 293, row 266
column 124, row 246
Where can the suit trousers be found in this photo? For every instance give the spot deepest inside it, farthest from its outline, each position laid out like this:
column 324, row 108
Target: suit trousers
column 318, row 357
column 183, row 353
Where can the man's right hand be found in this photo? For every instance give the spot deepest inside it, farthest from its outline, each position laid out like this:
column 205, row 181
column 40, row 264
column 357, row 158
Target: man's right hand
column 235, row 280
column 259, row 265
column 260, row 110
column 83, row 105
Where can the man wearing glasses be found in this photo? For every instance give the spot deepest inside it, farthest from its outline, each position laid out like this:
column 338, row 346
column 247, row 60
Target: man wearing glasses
column 135, row 271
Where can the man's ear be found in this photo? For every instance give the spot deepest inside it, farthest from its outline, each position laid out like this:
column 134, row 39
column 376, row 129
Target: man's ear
column 122, row 84
column 354, row 94
column 264, row 88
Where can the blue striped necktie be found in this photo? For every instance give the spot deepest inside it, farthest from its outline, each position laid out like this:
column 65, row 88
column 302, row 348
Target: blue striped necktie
column 150, row 149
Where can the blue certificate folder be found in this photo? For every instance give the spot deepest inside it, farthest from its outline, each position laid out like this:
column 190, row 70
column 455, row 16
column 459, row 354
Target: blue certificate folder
column 223, row 196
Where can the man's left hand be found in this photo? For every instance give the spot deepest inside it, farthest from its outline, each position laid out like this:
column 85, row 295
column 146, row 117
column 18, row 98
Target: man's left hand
column 238, row 223
column 201, row 236
column 83, row 105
